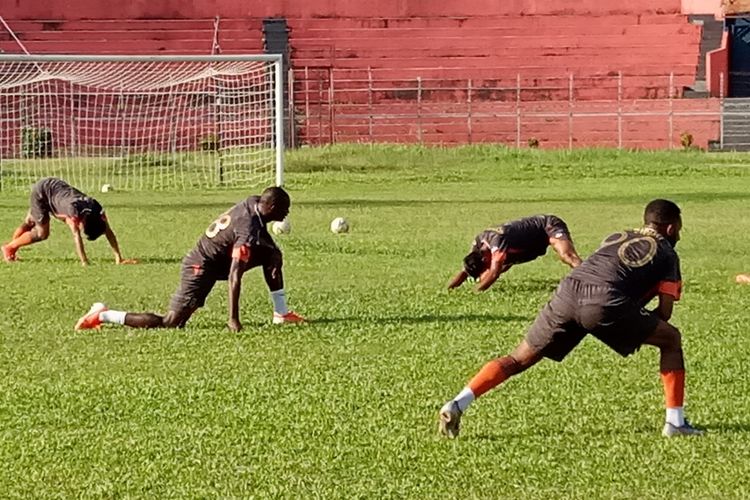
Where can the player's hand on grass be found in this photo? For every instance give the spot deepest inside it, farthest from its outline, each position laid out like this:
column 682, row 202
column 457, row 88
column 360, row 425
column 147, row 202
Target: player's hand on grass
column 234, row 325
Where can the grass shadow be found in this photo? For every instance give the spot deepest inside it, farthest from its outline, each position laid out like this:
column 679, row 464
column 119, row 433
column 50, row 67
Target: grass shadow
column 423, row 318
column 250, row 326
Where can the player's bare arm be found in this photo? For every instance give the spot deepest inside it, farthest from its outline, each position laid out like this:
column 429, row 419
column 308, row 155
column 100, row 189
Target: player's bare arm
column 112, row 240
column 458, row 279
column 234, row 281
column 490, row 276
column 665, row 306
column 78, row 241
column 566, row 251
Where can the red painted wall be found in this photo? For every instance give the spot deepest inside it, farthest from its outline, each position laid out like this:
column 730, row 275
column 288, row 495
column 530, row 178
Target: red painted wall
column 181, row 9
column 717, row 69
column 316, row 30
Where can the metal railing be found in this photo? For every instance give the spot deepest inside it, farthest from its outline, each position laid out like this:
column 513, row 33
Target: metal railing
column 614, row 110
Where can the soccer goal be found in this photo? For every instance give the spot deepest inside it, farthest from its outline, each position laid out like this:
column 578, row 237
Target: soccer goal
column 142, row 122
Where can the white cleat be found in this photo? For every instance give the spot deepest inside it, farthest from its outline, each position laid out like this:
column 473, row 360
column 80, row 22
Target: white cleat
column 686, row 429
column 450, row 420
column 90, row 320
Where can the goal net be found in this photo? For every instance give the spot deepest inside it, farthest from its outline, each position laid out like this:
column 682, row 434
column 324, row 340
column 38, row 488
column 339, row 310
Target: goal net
column 141, row 123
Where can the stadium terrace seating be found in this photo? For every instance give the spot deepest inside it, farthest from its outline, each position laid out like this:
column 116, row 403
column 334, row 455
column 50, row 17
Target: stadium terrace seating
column 596, row 48
column 134, row 37
column 483, row 47
column 542, row 52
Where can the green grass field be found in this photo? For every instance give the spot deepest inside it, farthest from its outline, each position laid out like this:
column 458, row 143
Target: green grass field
column 345, row 406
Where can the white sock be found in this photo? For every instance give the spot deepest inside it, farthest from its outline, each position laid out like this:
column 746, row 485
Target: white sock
column 117, row 317
column 676, row 416
column 279, row 302
column 464, row 399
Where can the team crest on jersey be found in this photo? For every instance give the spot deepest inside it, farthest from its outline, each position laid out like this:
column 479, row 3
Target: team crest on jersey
column 637, row 252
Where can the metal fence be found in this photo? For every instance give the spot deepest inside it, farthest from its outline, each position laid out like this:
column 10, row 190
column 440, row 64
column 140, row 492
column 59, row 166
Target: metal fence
column 616, row 110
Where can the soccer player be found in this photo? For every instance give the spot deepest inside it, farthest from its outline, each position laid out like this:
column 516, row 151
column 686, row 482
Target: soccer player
column 55, row 197
column 497, row 249
column 743, row 279
column 232, row 244
column 605, row 296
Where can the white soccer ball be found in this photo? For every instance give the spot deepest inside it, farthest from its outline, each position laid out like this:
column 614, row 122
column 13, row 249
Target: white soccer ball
column 106, row 188
column 281, row 227
column 339, row 225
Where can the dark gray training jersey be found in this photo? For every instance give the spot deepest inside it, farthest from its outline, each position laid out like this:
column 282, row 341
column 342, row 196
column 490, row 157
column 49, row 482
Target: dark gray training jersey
column 524, row 239
column 230, row 236
column 636, row 264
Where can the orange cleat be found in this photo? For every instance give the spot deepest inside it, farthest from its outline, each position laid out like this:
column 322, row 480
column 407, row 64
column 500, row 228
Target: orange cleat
column 9, row 254
column 91, row 321
column 290, row 317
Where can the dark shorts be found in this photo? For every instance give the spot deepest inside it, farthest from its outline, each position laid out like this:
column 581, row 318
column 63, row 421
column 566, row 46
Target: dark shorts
column 195, row 285
column 39, row 208
column 577, row 309
column 196, row 282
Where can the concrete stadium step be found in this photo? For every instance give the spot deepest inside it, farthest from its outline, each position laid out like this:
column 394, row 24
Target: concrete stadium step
column 503, row 30
column 573, row 54
column 547, row 65
column 248, row 46
column 115, row 36
column 491, row 77
column 135, row 47
column 169, row 36
column 537, row 43
column 483, row 21
column 491, row 73
column 109, row 24
column 471, row 47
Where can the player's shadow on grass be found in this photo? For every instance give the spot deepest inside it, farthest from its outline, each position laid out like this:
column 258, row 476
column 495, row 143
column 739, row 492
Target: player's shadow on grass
column 709, row 428
column 424, row 318
column 101, row 261
column 719, row 428
column 513, row 286
column 160, row 260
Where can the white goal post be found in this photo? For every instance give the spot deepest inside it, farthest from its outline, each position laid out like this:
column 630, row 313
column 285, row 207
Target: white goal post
column 142, row 122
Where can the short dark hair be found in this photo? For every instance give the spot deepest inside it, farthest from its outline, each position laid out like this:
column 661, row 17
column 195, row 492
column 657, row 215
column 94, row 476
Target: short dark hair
column 474, row 264
column 661, row 212
column 94, row 223
column 274, row 195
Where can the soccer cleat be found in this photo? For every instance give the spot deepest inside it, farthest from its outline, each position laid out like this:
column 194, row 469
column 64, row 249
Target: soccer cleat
column 90, row 320
column 686, row 429
column 290, row 317
column 450, row 420
column 9, row 254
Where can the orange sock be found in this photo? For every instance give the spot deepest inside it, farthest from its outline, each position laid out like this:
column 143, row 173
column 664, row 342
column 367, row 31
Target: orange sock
column 674, row 388
column 26, row 238
column 493, row 374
